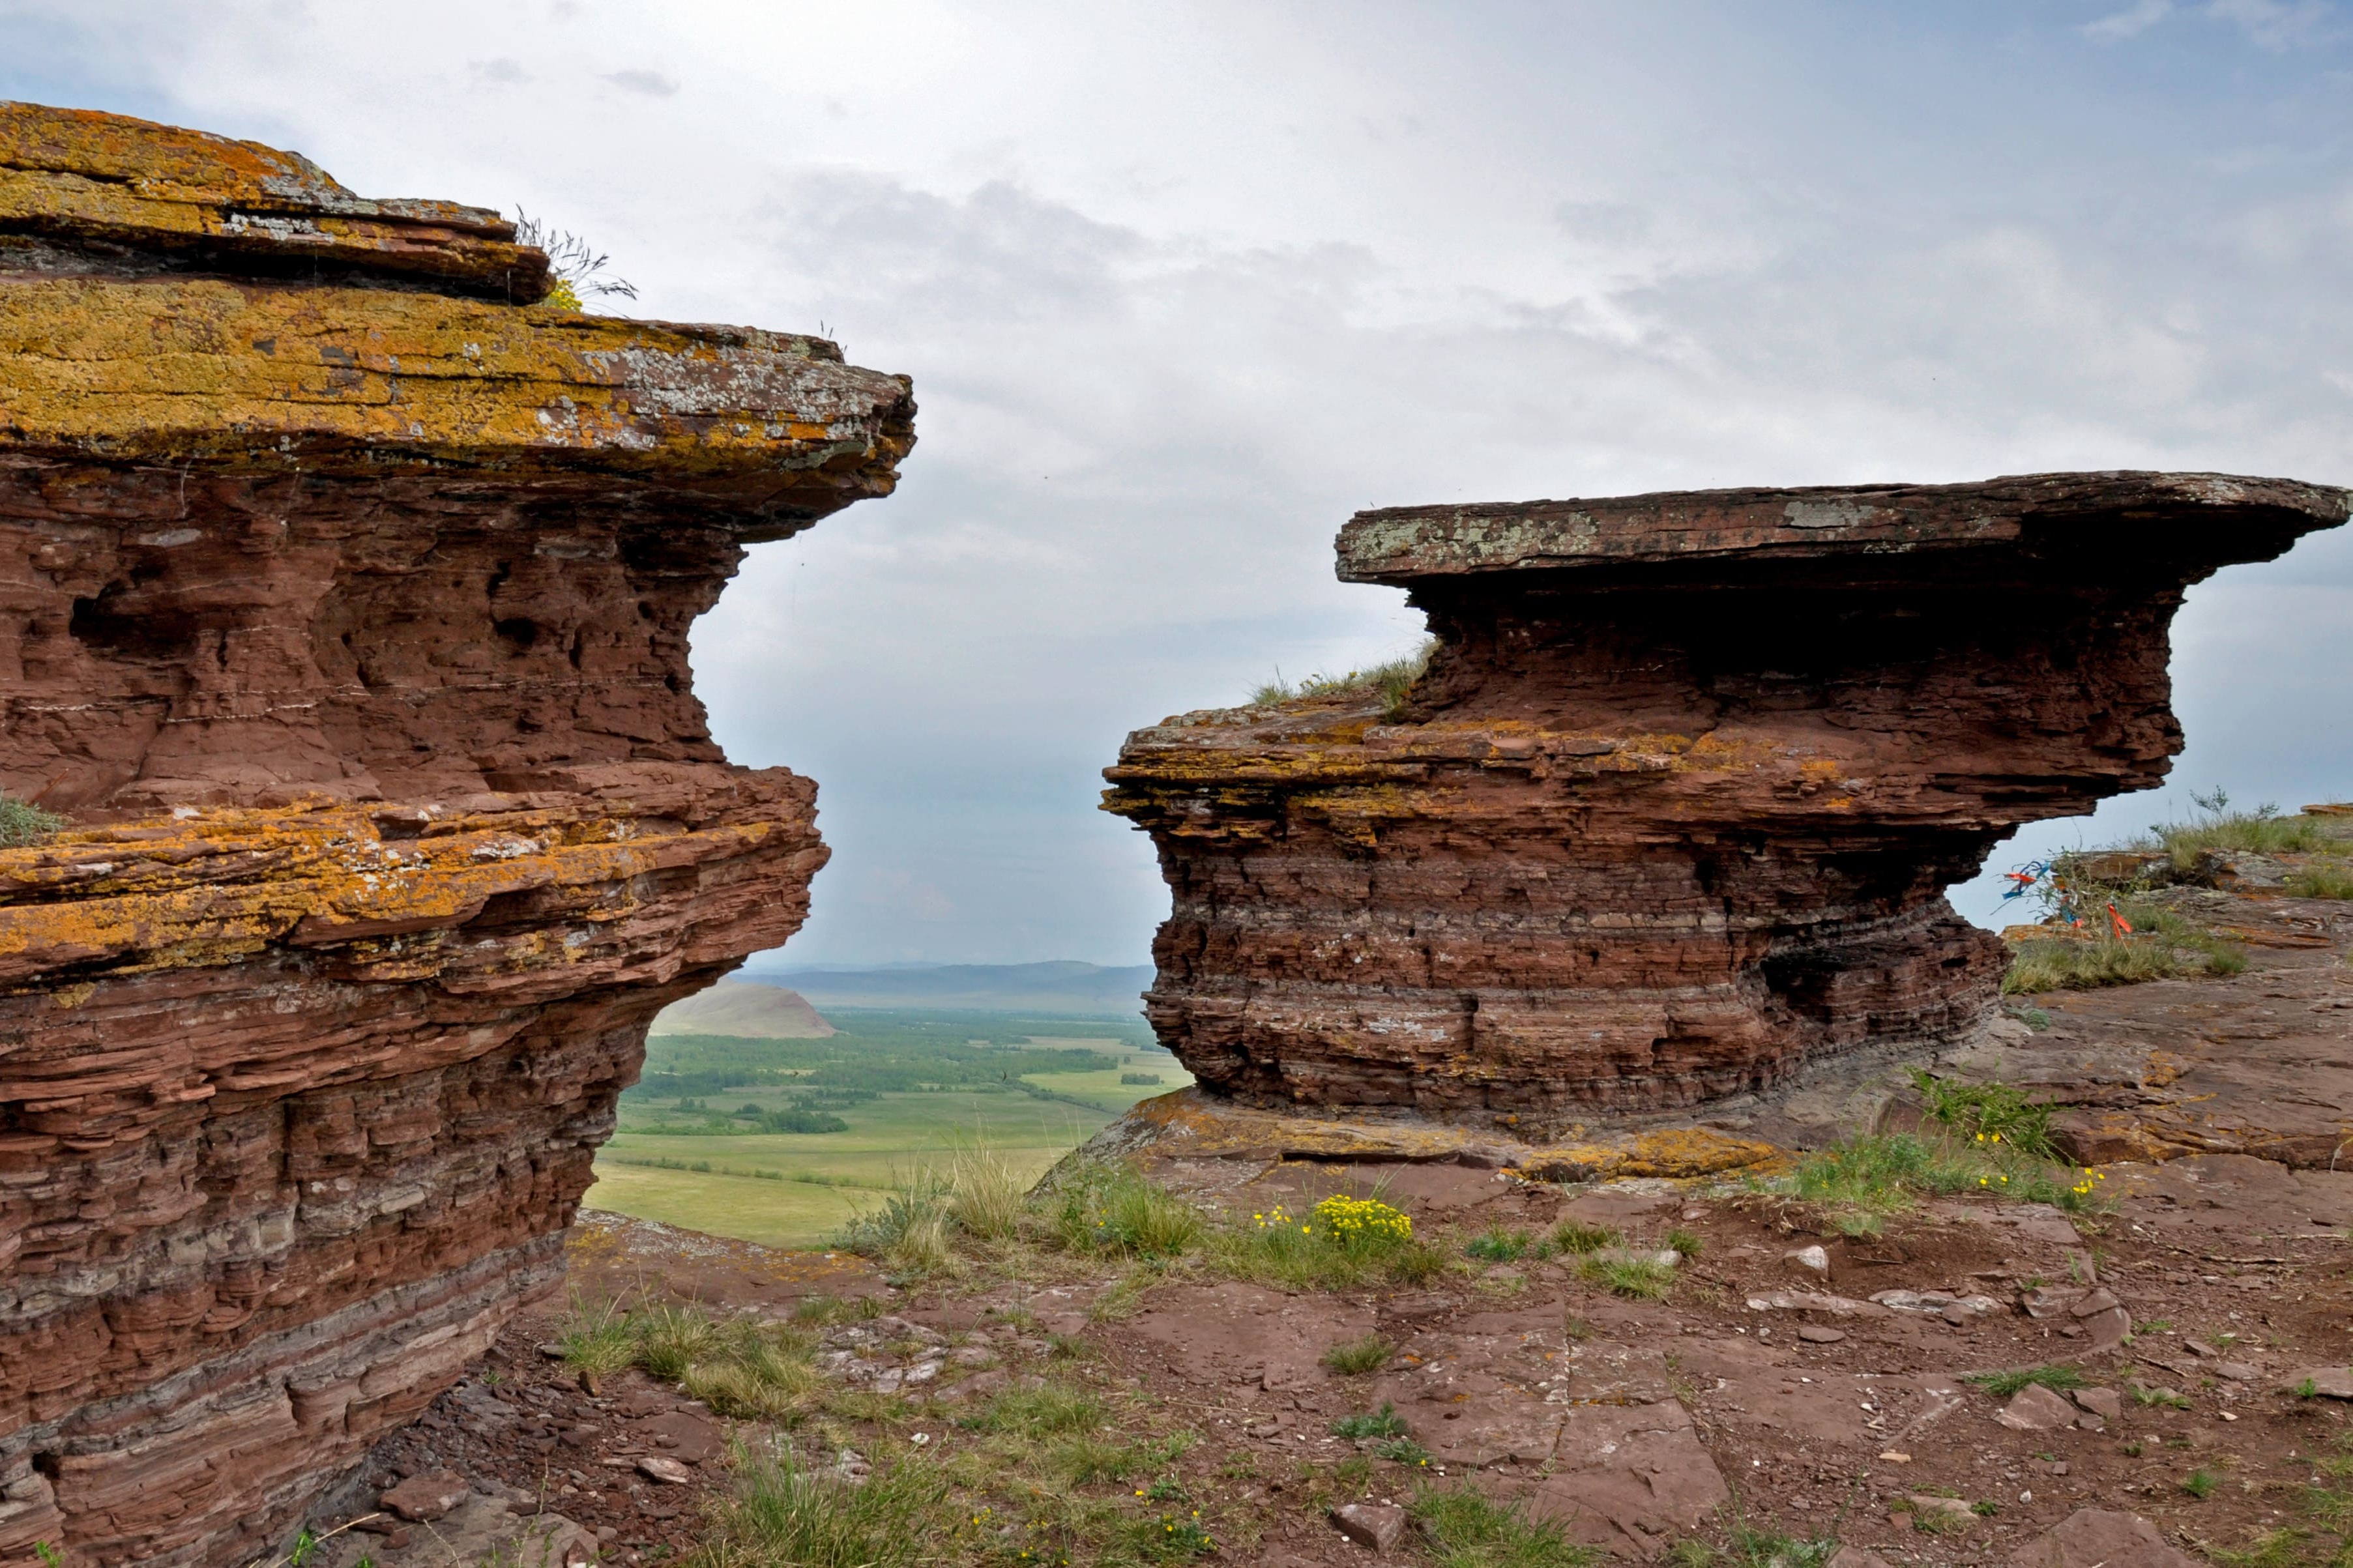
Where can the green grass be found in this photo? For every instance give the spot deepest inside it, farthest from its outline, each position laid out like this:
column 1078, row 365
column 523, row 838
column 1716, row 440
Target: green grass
column 1752, row 1548
column 780, row 1516
column 2002, row 1384
column 1689, row 1242
column 1393, row 678
column 22, row 824
column 1502, row 1244
column 1111, row 1208
column 1997, row 1112
column 2200, row 1483
column 1357, row 1357
column 1642, row 1278
column 2321, row 879
column 2089, row 963
column 1578, row 1238
column 742, row 1367
column 1464, row 1527
column 1863, row 1182
column 1382, row 1423
column 2263, row 831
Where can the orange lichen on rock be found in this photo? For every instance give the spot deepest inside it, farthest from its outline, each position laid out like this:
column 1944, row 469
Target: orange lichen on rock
column 344, row 599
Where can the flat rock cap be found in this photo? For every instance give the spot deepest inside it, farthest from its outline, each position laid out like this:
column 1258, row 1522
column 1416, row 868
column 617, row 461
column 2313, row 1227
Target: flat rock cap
column 1401, row 545
column 81, row 180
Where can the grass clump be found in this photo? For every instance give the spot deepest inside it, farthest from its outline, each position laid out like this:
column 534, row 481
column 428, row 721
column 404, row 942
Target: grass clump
column 1053, row 1410
column 1863, row 1182
column 2218, row 830
column 1501, row 1243
column 1642, row 1278
column 23, row 824
column 2002, row 1384
column 1111, row 1208
column 781, row 1514
column 1357, row 1357
column 1752, row 1548
column 1575, row 1237
column 1689, row 1242
column 2321, row 879
column 1342, row 1242
column 1991, row 1113
column 2200, row 1483
column 741, row 1367
column 1382, row 1423
column 1393, row 678
column 1467, row 1529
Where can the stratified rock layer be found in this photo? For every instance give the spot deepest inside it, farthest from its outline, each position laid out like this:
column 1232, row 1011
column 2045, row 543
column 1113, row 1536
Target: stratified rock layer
column 1672, row 811
column 344, row 609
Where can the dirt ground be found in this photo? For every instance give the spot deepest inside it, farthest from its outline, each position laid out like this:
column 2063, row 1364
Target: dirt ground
column 2208, row 1313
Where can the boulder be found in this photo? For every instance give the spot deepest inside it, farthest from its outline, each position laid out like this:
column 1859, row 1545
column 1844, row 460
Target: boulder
column 2035, row 1408
column 2096, row 1538
column 1376, row 1525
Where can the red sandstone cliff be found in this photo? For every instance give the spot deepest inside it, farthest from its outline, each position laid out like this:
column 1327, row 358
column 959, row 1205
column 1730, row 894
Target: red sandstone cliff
column 1672, row 813
column 344, row 597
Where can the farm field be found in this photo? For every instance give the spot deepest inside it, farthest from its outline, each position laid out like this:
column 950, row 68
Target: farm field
column 900, row 1091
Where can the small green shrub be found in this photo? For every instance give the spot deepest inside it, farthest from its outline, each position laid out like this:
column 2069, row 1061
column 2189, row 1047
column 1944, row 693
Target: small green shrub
column 1996, row 1113
column 23, row 824
column 2200, row 1483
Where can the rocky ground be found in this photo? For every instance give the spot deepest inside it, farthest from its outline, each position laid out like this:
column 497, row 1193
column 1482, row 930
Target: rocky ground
column 1795, row 1387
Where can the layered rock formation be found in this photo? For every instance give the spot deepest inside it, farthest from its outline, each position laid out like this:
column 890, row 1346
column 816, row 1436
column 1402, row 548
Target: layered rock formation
column 346, row 599
column 1671, row 813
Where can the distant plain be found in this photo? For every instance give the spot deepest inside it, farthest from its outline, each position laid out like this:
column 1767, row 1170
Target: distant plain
column 908, row 1087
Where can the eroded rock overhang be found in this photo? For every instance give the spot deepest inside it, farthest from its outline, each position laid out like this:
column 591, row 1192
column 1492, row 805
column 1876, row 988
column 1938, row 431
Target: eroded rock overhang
column 344, row 596
column 1670, row 815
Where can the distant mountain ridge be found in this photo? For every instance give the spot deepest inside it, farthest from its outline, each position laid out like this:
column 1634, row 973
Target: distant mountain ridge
column 1062, row 986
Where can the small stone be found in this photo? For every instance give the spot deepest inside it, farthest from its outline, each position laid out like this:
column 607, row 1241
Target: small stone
column 2105, row 1403
column 2037, row 1409
column 663, row 1469
column 1951, row 1506
column 1815, row 1259
column 1893, row 1457
column 2092, row 1302
column 1372, row 1524
column 2049, row 1301
column 1813, row 1334
column 422, row 1498
column 2236, row 1371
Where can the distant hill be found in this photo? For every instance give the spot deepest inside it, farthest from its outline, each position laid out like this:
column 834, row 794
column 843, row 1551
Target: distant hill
column 746, row 1008
column 1064, row 986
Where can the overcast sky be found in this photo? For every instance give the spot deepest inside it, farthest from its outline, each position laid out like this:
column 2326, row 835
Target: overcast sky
column 1183, row 286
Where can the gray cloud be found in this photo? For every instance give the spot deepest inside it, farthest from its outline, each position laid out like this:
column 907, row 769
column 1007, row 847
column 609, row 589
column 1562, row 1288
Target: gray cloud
column 1178, row 296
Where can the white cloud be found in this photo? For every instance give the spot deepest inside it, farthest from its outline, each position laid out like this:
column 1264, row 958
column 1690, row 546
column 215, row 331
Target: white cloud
column 1181, row 287
column 2130, row 22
